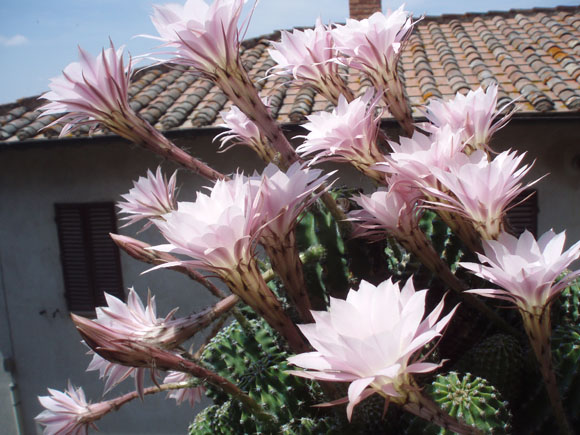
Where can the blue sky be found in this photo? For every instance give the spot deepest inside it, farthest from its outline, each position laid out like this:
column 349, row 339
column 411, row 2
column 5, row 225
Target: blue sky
column 38, row 38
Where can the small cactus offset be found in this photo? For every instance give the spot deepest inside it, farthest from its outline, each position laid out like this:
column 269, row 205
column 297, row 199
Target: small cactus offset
column 500, row 360
column 469, row 398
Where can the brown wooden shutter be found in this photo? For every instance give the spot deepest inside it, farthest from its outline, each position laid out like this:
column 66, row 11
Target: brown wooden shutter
column 90, row 260
column 524, row 216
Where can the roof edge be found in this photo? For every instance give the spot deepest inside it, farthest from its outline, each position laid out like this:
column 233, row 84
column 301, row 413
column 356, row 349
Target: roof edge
column 288, row 127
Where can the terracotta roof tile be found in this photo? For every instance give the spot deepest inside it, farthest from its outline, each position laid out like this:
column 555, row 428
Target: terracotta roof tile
column 533, row 55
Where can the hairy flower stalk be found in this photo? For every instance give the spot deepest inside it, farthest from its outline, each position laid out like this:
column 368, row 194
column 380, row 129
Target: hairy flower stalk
column 308, row 55
column 218, row 232
column 372, row 340
column 95, row 90
column 134, row 321
column 206, row 37
column 527, row 270
column 142, row 251
column 348, row 134
column 374, row 45
column 283, row 196
column 68, row 412
column 142, row 354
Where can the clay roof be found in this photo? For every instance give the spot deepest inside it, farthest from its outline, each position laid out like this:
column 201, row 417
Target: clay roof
column 533, row 54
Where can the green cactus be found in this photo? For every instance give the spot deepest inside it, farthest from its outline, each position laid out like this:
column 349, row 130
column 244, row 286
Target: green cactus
column 469, row 398
column 255, row 360
column 566, row 308
column 566, row 353
column 500, row 360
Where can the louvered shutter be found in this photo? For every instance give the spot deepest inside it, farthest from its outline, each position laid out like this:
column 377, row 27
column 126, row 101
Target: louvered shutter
column 524, row 216
column 90, row 260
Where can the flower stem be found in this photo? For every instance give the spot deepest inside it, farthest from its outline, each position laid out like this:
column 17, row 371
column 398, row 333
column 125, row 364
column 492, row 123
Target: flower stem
column 171, row 361
column 247, row 282
column 538, row 329
column 132, row 127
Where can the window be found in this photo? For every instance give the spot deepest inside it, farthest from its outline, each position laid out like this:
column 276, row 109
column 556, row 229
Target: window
column 90, row 259
column 524, row 216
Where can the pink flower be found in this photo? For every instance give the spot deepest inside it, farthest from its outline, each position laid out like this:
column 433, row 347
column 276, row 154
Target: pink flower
column 472, row 114
column 150, row 197
column 308, row 56
column 284, row 195
column 203, row 36
column 218, row 230
column 68, row 412
column 413, row 158
column 92, row 90
column 393, row 210
column 348, row 134
column 191, row 395
column 114, row 373
column 374, row 45
column 242, row 130
column 525, row 268
column 371, row 340
column 480, row 190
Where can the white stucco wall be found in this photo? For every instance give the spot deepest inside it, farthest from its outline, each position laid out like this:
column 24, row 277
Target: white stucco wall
column 45, row 345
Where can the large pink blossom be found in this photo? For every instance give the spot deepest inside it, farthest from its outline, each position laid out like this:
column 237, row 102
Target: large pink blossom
column 308, row 56
column 374, row 46
column 470, row 114
column 203, row 36
column 371, row 340
column 68, row 412
column 348, row 134
column 151, row 197
column 91, row 90
column 413, row 159
column 480, row 190
column 526, row 269
column 218, row 231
